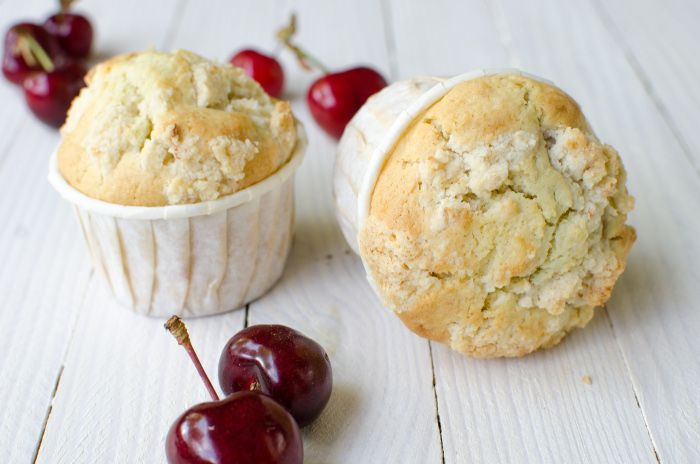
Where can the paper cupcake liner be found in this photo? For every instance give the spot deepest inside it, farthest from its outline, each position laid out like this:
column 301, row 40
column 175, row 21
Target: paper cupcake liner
column 196, row 259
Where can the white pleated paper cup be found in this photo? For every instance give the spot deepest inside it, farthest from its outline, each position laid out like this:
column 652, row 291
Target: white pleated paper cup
column 195, row 259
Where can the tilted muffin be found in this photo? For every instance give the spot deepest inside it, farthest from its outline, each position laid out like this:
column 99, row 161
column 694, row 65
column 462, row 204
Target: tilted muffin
column 497, row 220
column 153, row 129
column 181, row 172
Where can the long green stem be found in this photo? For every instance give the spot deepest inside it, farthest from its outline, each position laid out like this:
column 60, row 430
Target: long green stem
column 33, row 52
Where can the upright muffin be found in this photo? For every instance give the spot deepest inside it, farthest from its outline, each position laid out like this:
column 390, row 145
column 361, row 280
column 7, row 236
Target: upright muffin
column 181, row 171
column 153, row 129
column 495, row 222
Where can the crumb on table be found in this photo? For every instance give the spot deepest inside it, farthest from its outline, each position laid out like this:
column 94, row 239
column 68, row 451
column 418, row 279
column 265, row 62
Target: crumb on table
column 587, row 379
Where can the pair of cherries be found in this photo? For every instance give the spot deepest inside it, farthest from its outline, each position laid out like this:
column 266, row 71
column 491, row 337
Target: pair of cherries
column 277, row 380
column 333, row 99
column 45, row 60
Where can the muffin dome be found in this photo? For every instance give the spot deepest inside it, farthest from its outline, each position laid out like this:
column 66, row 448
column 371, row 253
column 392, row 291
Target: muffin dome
column 497, row 222
column 153, row 129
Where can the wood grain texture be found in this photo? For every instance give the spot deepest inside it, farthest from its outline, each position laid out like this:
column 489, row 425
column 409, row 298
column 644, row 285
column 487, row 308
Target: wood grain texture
column 539, row 409
column 534, row 409
column 97, row 389
column 121, row 380
column 661, row 45
column 41, row 281
column 654, row 309
column 382, row 373
column 124, row 382
column 323, row 292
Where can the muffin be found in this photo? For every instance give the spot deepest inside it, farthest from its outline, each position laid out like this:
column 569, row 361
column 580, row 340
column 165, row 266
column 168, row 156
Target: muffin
column 488, row 215
column 181, row 171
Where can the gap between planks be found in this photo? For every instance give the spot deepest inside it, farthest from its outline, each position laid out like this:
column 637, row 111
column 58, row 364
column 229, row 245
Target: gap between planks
column 609, row 25
column 71, row 337
column 48, row 413
column 390, row 39
column 245, row 318
column 635, row 388
column 167, row 41
column 501, row 23
column 437, row 404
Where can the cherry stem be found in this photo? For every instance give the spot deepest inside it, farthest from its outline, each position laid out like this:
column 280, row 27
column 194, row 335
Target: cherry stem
column 65, row 5
column 306, row 60
column 177, row 328
column 33, row 52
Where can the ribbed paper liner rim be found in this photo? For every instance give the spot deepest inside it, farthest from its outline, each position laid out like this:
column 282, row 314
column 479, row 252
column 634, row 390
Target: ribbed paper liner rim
column 252, row 192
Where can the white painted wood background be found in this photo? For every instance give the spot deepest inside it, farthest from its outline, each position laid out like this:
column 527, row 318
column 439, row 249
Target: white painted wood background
column 85, row 381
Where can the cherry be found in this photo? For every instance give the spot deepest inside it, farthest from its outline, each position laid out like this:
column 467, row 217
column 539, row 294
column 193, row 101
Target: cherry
column 335, row 98
column 264, row 69
column 20, row 59
column 282, row 363
column 49, row 94
column 246, row 427
column 73, row 31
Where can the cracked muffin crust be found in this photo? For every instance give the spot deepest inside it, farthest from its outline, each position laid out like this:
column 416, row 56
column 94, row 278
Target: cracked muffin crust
column 153, row 129
column 497, row 223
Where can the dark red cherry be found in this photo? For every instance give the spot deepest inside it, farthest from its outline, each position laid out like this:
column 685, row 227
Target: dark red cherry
column 19, row 59
column 49, row 94
column 246, row 427
column 282, row 363
column 335, row 98
column 264, row 69
column 73, row 32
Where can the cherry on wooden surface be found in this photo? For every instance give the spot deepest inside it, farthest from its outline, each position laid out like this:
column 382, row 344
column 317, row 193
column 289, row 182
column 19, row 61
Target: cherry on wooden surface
column 246, row 427
column 282, row 363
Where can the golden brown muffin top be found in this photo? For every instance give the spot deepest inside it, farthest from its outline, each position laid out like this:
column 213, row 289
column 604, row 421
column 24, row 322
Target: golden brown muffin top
column 154, row 129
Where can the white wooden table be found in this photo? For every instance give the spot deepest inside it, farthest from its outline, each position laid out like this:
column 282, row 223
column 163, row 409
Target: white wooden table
column 85, row 381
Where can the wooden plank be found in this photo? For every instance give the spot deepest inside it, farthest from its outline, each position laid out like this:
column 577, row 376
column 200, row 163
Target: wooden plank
column 539, row 408
column 43, row 275
column 382, row 374
column 155, row 382
column 382, row 408
column 654, row 310
column 125, row 381
column 428, row 40
column 119, row 368
column 661, row 43
column 42, row 280
column 534, row 409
